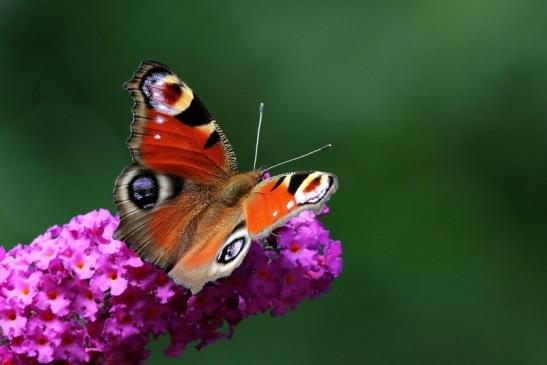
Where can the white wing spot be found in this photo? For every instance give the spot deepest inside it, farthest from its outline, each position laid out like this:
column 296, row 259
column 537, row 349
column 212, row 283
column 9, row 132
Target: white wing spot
column 157, row 137
column 290, row 204
column 275, row 213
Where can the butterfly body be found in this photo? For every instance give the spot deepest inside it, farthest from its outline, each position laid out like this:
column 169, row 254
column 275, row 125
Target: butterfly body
column 183, row 203
column 237, row 186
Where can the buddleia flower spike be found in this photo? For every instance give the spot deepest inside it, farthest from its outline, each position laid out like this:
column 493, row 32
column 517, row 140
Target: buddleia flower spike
column 77, row 295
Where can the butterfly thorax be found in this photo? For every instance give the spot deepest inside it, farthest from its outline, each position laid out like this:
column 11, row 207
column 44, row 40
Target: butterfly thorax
column 236, row 187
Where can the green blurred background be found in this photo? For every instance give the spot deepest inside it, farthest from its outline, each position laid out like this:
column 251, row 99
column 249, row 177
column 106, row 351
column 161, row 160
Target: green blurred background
column 438, row 114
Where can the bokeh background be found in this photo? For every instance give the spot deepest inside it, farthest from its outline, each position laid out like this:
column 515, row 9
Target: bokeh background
column 438, row 116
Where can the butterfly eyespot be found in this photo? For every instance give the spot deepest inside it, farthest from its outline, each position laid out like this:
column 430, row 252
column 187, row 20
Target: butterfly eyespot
column 153, row 80
column 231, row 251
column 162, row 90
column 143, row 191
column 314, row 190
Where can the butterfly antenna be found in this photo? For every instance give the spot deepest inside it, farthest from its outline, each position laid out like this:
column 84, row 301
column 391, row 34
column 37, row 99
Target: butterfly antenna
column 261, row 112
column 299, row 157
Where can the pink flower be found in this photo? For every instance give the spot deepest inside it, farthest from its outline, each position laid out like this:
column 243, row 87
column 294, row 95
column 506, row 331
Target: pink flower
column 53, row 296
column 83, row 263
column 44, row 344
column 110, row 277
column 12, row 322
column 70, row 347
column 296, row 254
column 22, row 286
column 76, row 295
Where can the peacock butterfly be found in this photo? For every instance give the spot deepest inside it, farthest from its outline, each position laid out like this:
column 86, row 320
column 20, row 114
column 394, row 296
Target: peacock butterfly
column 184, row 205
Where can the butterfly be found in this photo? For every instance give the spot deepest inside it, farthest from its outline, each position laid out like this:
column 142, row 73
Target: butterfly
column 183, row 203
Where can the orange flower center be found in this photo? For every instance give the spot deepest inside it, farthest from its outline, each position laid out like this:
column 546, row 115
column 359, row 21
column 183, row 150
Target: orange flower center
column 52, row 295
column 126, row 318
column 113, row 275
column 162, row 279
column 47, row 316
column 25, row 291
column 289, row 279
column 150, row 313
column 80, row 264
column 295, row 247
column 138, row 273
column 263, row 274
column 11, row 315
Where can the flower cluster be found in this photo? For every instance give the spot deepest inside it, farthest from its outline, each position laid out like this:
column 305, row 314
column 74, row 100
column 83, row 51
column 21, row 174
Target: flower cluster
column 77, row 295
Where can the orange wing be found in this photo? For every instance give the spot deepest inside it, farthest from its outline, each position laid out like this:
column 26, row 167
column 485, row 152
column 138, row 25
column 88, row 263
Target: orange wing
column 172, row 131
column 272, row 202
column 155, row 211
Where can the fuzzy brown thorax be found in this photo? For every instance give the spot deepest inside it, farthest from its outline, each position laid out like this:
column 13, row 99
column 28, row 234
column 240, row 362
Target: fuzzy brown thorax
column 236, row 186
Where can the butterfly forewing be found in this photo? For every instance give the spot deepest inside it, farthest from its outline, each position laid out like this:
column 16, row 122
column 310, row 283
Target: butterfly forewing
column 172, row 131
column 272, row 202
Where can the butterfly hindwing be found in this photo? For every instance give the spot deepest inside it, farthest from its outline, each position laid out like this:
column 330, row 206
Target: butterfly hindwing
column 273, row 201
column 222, row 242
column 172, row 131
